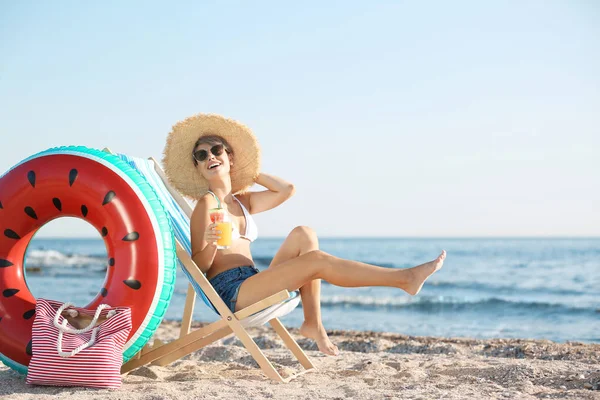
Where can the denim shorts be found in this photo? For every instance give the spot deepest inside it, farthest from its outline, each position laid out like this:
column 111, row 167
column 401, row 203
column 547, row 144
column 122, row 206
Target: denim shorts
column 227, row 283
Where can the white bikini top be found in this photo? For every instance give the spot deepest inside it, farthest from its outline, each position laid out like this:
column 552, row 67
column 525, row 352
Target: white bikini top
column 251, row 233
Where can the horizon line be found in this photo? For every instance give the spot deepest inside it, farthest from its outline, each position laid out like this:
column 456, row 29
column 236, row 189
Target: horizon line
column 383, row 237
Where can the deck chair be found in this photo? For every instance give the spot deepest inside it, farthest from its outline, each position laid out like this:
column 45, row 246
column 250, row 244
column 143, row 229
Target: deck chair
column 265, row 310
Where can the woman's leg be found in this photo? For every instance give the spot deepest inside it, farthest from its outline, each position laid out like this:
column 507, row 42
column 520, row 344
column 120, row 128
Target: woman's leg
column 302, row 240
column 296, row 272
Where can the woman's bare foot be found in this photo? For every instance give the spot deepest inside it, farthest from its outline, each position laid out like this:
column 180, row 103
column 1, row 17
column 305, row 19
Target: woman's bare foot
column 319, row 335
column 421, row 272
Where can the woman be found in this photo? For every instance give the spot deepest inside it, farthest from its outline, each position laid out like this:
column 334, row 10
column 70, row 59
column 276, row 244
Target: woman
column 215, row 160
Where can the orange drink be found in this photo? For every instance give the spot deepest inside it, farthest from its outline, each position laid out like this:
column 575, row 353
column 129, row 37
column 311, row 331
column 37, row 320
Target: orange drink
column 221, row 218
column 225, row 241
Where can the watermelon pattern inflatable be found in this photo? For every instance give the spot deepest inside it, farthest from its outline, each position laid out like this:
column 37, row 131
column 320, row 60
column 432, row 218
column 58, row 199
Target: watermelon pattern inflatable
column 106, row 192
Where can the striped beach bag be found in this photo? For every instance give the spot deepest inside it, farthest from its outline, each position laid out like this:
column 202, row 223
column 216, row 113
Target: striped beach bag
column 91, row 356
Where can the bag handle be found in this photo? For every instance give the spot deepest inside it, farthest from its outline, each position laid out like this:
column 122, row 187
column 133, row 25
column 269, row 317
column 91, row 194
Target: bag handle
column 66, row 329
column 78, row 349
column 63, row 328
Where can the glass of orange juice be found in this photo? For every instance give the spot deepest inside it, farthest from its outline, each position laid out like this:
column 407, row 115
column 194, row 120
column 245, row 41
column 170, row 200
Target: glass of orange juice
column 223, row 221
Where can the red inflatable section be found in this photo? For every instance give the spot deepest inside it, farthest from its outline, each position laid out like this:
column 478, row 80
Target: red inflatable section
column 54, row 186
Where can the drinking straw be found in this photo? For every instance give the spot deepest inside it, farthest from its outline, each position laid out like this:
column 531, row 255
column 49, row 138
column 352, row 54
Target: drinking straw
column 216, row 198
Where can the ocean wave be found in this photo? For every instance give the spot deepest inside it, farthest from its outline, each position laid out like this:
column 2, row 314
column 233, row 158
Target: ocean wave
column 40, row 259
column 503, row 289
column 446, row 303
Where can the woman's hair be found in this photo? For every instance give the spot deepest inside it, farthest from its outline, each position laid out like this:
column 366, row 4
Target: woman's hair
column 212, row 140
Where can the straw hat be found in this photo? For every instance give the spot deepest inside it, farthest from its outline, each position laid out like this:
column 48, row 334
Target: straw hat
column 178, row 161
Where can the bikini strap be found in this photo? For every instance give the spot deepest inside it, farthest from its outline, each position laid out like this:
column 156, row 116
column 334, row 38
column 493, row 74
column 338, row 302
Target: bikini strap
column 246, row 213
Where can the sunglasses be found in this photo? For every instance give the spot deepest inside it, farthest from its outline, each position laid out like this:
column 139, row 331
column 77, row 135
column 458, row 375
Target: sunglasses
column 202, row 155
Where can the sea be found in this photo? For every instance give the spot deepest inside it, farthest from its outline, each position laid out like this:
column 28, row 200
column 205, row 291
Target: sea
column 540, row 288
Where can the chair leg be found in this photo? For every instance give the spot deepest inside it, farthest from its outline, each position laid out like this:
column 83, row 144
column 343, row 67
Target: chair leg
column 168, row 348
column 176, row 353
column 291, row 343
column 255, row 351
column 192, row 347
column 186, row 322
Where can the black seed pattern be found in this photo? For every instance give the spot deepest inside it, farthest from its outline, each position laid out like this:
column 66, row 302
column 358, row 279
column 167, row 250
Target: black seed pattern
column 84, row 210
column 9, row 233
column 28, row 349
column 31, row 178
column 132, row 283
column 5, row 263
column 104, row 231
column 0, row 319
column 111, row 262
column 29, row 314
column 31, row 212
column 72, row 176
column 57, row 203
column 103, row 292
column 109, row 197
column 131, row 237
column 10, row 292
column 1, row 205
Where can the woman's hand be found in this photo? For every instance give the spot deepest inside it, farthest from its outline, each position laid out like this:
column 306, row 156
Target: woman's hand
column 211, row 235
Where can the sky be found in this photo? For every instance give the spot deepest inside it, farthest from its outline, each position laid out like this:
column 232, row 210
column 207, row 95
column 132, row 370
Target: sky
column 401, row 119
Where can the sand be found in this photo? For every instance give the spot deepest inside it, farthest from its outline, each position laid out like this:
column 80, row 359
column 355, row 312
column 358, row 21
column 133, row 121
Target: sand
column 371, row 365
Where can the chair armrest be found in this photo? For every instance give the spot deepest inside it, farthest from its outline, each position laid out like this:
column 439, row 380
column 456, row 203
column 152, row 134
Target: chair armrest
column 262, row 304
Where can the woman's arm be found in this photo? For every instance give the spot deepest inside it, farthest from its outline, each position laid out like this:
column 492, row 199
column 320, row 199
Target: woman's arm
column 279, row 191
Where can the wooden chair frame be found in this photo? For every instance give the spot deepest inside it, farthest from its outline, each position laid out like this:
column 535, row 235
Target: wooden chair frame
column 230, row 323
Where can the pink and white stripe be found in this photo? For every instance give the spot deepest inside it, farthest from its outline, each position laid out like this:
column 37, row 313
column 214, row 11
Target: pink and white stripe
column 97, row 366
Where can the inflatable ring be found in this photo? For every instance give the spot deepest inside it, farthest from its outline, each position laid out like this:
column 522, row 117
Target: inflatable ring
column 113, row 197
